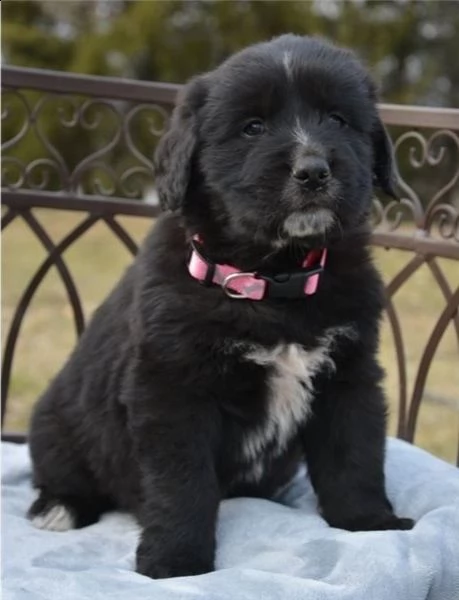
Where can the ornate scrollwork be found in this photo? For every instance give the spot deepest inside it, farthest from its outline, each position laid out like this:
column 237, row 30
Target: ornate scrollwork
column 89, row 146
column 78, row 145
column 430, row 210
column 103, row 147
column 438, row 212
column 22, row 106
column 389, row 217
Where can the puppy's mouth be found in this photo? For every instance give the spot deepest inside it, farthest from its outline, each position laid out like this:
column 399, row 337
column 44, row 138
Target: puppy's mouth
column 315, row 221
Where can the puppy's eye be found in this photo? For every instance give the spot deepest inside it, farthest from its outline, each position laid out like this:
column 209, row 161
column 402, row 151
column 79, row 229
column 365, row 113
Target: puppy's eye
column 339, row 119
column 253, row 127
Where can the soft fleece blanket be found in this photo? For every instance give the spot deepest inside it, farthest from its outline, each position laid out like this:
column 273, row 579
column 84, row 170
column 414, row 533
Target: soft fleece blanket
column 266, row 550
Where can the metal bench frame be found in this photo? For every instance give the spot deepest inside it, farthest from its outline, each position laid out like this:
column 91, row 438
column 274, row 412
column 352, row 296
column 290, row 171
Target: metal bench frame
column 426, row 230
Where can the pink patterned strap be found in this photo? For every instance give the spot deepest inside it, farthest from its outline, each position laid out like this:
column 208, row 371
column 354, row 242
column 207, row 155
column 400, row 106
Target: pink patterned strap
column 250, row 286
column 312, row 258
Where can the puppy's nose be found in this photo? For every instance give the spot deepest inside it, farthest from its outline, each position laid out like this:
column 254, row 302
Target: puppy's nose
column 311, row 172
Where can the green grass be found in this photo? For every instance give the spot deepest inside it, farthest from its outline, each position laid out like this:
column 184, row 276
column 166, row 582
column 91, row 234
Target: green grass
column 98, row 259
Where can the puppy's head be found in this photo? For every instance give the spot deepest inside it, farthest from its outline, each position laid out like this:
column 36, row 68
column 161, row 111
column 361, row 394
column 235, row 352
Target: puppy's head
column 282, row 142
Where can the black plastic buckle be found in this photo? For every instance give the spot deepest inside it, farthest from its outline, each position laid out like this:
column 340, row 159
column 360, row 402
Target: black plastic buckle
column 289, row 285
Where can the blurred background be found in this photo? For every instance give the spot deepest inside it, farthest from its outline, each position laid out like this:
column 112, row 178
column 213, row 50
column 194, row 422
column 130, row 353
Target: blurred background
column 411, row 48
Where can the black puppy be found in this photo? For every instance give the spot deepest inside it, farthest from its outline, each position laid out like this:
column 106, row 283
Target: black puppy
column 244, row 336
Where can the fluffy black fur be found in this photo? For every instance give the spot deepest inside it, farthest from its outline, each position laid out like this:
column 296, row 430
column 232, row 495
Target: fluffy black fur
column 150, row 412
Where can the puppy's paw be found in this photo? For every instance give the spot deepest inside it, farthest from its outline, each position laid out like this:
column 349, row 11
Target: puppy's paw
column 397, row 523
column 377, row 522
column 170, row 560
column 164, row 570
column 51, row 514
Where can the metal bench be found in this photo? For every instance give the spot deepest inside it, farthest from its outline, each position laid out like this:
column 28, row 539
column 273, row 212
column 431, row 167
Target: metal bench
column 113, row 178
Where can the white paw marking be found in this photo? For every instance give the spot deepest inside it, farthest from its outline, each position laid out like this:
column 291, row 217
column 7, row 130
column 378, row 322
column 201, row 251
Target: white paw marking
column 290, row 393
column 58, row 518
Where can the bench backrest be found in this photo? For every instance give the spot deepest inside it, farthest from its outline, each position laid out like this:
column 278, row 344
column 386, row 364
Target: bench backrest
column 84, row 144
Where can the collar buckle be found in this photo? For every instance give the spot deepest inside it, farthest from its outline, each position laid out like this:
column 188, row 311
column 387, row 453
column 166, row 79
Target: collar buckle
column 231, row 293
column 290, row 285
column 238, row 285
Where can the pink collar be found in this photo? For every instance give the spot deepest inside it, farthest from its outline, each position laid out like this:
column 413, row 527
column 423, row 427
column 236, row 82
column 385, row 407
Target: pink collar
column 257, row 286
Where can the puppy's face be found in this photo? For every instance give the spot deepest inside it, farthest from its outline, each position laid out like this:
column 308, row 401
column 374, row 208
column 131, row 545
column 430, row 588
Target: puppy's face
column 281, row 143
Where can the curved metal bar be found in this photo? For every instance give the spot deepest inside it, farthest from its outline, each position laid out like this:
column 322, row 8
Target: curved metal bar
column 67, row 279
column 25, row 126
column 122, row 235
column 9, row 163
column 422, row 151
column 133, row 112
column 445, row 288
column 402, row 276
column 132, row 189
column 426, row 361
column 88, row 161
column 26, row 299
column 413, row 201
column 434, row 160
column 60, row 164
column 401, row 365
column 32, row 170
column 447, row 217
column 98, row 187
column 8, row 217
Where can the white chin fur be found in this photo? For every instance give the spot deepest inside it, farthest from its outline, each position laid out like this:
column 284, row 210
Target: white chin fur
column 302, row 224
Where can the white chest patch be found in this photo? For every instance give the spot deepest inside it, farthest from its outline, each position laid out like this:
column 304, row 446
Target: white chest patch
column 290, row 392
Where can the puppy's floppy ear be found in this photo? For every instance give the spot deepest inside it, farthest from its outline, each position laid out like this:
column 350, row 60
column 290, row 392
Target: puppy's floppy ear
column 384, row 166
column 174, row 153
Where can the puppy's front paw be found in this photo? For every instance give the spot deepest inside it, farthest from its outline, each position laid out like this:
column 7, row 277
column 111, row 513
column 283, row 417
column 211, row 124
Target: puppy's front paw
column 164, row 571
column 158, row 570
column 170, row 562
column 377, row 522
column 396, row 523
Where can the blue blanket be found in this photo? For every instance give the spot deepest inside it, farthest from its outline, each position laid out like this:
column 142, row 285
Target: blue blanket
column 266, row 550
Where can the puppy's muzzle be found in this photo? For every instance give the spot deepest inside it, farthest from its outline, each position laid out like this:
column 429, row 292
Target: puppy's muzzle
column 311, row 172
